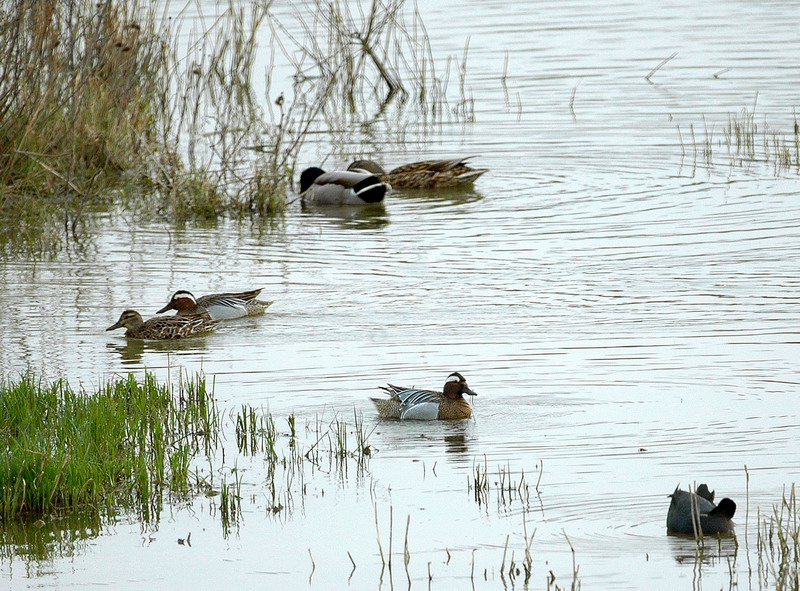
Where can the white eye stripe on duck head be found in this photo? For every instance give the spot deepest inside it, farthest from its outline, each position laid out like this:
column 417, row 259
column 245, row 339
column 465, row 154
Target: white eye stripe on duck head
column 181, row 295
column 454, row 377
column 457, row 384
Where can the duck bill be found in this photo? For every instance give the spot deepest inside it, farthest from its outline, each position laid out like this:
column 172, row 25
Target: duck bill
column 165, row 308
column 114, row 326
column 470, row 391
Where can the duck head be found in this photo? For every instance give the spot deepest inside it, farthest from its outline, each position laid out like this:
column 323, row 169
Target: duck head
column 308, row 176
column 129, row 319
column 180, row 300
column 455, row 386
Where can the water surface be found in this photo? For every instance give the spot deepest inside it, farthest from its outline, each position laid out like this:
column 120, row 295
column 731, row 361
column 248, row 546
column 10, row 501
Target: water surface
column 626, row 314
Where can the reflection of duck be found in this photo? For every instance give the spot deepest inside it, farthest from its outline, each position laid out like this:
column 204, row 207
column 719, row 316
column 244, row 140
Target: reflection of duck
column 426, row 174
column 341, row 187
column 132, row 351
column 410, row 403
column 360, row 218
column 685, row 550
column 163, row 327
column 695, row 513
column 456, row 444
column 220, row 306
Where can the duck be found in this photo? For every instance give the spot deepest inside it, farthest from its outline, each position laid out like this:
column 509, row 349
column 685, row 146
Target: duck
column 695, row 513
column 163, row 327
column 427, row 405
column 425, row 174
column 341, row 187
column 220, row 306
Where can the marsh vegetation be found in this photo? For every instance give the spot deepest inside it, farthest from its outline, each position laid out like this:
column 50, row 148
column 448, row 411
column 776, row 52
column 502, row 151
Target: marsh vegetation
column 132, row 447
column 745, row 141
column 124, row 447
column 116, row 103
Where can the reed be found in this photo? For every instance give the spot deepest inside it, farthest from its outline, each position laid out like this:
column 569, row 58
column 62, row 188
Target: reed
column 106, row 103
column 121, row 446
column 230, row 503
column 747, row 142
column 507, row 487
column 72, row 107
column 480, row 483
column 778, row 545
column 368, row 64
column 336, row 447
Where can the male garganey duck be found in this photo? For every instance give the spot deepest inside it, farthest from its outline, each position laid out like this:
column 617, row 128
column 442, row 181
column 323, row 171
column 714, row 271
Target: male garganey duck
column 163, row 327
column 341, row 187
column 220, row 306
column 427, row 405
column 423, row 175
column 696, row 514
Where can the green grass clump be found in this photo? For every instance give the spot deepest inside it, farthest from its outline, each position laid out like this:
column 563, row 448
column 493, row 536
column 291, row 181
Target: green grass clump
column 122, row 446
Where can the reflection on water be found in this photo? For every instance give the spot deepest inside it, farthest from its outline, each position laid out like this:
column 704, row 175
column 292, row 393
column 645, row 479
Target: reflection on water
column 365, row 217
column 131, row 351
column 40, row 541
column 456, row 444
column 444, row 197
column 710, row 551
column 442, row 439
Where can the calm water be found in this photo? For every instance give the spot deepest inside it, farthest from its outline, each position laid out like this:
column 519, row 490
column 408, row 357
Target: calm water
column 627, row 316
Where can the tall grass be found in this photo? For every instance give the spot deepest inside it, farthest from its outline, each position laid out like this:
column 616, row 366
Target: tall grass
column 127, row 101
column 100, row 100
column 77, row 82
column 121, row 447
column 779, row 545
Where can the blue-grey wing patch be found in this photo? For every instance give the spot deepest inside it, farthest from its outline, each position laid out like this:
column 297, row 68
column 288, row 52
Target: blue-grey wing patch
column 419, row 404
column 227, row 308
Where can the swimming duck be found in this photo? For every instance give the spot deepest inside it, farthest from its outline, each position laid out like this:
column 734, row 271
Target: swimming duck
column 425, row 174
column 705, row 518
column 220, row 306
column 427, row 405
column 341, row 187
column 163, row 327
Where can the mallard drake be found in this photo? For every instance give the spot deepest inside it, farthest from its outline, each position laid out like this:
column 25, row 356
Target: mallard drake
column 695, row 513
column 423, row 175
column 341, row 187
column 428, row 405
column 163, row 327
column 220, row 306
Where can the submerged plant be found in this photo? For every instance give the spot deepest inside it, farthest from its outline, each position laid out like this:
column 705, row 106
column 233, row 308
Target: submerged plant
column 506, row 486
column 230, row 503
column 747, row 142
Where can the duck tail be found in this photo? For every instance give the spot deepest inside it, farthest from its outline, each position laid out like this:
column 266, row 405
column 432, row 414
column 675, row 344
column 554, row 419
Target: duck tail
column 388, row 408
column 370, row 190
column 471, row 175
